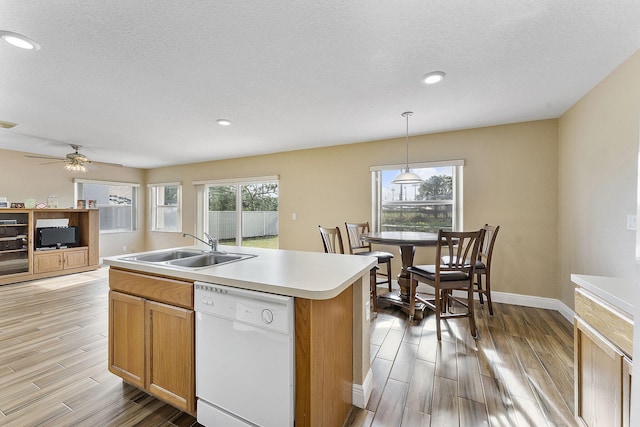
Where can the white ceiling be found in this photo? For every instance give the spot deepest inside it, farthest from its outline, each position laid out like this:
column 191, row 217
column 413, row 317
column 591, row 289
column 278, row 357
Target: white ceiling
column 142, row 82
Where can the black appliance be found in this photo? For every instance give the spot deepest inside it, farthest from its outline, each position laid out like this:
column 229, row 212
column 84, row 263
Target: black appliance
column 57, row 237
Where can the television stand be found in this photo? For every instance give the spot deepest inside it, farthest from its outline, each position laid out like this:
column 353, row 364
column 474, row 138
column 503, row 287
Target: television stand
column 27, row 262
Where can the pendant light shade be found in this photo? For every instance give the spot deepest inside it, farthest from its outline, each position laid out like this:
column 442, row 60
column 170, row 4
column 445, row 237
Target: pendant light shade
column 407, row 177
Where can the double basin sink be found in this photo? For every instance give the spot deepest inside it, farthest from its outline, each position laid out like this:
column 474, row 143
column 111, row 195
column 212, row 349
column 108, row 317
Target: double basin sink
column 187, row 258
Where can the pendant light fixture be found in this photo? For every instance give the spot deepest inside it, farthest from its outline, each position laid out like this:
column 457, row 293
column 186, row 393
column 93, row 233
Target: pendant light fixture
column 407, row 177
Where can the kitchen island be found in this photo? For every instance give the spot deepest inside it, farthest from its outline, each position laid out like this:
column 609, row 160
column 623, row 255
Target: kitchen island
column 331, row 294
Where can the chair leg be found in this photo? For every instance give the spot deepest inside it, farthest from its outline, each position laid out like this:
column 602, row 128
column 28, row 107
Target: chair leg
column 487, row 290
column 412, row 297
column 373, row 288
column 472, row 318
column 389, row 273
column 479, row 285
column 438, row 307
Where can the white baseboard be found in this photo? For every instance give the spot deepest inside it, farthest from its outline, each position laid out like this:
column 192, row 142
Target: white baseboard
column 361, row 392
column 533, row 301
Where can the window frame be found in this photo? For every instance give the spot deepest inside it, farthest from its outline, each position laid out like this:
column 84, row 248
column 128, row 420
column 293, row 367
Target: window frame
column 154, row 207
column 78, row 194
column 457, row 176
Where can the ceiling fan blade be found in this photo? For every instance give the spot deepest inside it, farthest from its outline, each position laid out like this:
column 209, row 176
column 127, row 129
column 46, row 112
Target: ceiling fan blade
column 44, row 157
column 54, row 161
column 104, row 163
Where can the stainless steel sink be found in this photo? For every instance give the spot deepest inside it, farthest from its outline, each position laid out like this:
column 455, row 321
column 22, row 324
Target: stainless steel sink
column 207, row 260
column 187, row 259
column 164, row 256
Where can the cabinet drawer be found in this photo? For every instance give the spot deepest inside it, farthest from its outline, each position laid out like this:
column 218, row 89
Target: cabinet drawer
column 611, row 323
column 161, row 289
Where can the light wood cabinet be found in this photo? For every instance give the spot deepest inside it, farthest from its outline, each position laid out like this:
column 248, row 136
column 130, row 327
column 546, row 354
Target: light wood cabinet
column 19, row 258
column 60, row 260
column 602, row 349
column 169, row 338
column 126, row 337
column 151, row 335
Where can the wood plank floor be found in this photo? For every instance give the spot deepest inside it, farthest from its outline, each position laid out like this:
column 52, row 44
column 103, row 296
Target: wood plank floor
column 53, row 366
column 519, row 373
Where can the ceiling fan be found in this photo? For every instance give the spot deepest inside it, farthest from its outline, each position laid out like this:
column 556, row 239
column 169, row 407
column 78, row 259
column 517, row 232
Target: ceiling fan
column 74, row 162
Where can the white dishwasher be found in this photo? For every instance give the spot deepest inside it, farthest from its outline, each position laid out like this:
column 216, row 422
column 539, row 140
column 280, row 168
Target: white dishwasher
column 245, row 351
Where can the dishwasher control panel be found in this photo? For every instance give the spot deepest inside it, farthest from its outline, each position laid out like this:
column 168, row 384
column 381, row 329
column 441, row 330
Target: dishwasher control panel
column 259, row 309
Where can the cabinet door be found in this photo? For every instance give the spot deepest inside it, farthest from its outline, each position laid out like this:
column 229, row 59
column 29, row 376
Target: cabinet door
column 627, row 368
column 76, row 258
column 126, row 337
column 598, row 378
column 170, row 372
column 45, row 262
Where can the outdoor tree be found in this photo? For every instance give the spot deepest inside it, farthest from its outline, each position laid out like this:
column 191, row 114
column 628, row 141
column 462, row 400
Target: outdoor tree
column 222, row 198
column 255, row 197
column 437, row 187
column 260, row 197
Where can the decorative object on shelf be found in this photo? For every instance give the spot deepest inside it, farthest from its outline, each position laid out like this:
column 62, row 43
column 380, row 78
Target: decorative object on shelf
column 82, row 204
column 17, row 205
column 52, row 202
column 3, row 202
column 41, row 205
column 407, row 177
column 93, row 204
column 30, row 203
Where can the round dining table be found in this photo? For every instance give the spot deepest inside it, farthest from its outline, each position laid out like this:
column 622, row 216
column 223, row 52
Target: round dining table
column 407, row 241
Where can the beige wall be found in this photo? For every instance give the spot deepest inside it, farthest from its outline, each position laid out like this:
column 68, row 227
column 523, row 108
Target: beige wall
column 510, row 179
column 23, row 178
column 597, row 165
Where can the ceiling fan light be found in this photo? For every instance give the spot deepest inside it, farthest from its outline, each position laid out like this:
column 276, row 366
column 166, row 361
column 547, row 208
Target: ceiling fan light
column 75, row 167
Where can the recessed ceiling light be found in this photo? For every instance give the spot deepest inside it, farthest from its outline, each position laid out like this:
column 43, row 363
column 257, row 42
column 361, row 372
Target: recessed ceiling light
column 223, row 122
column 433, row 77
column 18, row 40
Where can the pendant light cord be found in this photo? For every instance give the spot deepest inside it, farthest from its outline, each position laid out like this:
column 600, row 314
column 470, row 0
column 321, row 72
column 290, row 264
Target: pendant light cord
column 407, row 114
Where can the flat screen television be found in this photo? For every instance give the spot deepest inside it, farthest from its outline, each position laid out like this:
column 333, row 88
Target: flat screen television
column 57, row 237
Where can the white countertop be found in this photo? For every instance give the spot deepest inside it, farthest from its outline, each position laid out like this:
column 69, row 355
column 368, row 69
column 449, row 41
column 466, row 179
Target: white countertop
column 310, row 275
column 617, row 291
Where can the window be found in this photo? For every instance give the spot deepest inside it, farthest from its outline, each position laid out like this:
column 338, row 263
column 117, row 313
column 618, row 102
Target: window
column 166, row 202
column 117, row 202
column 434, row 204
column 242, row 212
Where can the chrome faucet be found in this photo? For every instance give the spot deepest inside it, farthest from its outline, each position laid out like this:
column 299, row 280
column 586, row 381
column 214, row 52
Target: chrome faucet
column 212, row 242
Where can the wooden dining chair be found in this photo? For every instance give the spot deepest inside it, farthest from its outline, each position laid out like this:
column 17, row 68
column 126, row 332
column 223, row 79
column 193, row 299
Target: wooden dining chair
column 331, row 240
column 359, row 247
column 483, row 265
column 445, row 277
column 332, row 243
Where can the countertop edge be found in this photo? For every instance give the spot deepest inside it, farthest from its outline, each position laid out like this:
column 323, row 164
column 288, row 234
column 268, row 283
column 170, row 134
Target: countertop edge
column 616, row 291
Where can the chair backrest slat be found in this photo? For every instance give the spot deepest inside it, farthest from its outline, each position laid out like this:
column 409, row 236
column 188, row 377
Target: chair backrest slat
column 354, row 231
column 457, row 248
column 331, row 240
column 486, row 250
